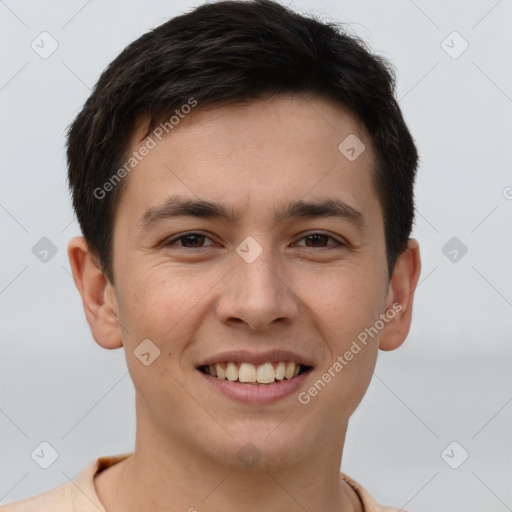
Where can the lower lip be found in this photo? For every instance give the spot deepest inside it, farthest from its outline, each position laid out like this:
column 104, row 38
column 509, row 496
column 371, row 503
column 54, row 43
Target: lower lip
column 257, row 393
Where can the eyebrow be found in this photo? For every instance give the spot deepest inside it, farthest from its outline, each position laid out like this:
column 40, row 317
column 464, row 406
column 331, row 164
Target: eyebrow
column 176, row 206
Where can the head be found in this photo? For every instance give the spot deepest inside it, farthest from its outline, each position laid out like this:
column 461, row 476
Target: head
column 292, row 126
column 235, row 52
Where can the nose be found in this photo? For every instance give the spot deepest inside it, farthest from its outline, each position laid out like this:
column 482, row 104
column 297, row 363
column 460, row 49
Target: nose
column 258, row 294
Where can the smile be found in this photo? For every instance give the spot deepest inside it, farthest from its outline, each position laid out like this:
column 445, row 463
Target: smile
column 266, row 373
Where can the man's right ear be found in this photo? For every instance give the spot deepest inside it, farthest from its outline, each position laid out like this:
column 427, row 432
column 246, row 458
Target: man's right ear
column 98, row 295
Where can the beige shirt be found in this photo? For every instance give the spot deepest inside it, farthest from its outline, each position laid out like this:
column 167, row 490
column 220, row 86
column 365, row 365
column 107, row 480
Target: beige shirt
column 80, row 495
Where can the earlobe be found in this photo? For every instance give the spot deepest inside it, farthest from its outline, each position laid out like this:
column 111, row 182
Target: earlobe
column 98, row 297
column 400, row 297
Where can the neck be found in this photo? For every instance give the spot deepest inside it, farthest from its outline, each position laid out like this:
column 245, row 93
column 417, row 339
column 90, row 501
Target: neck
column 169, row 475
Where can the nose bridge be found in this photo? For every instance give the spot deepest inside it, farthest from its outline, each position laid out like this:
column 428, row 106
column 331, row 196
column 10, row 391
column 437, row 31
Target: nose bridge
column 256, row 267
column 257, row 271
column 256, row 292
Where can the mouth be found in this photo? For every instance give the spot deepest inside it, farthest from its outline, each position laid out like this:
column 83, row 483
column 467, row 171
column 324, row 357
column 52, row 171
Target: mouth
column 268, row 373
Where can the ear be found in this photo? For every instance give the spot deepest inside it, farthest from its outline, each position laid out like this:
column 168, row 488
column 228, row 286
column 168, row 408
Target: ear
column 98, row 295
column 400, row 296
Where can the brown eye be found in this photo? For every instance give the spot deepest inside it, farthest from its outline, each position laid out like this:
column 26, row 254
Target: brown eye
column 316, row 239
column 320, row 241
column 189, row 241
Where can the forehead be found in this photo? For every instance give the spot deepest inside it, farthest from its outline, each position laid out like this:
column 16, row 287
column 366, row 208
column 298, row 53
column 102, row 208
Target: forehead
column 253, row 155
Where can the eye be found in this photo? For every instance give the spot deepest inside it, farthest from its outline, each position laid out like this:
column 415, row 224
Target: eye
column 319, row 238
column 189, row 240
column 196, row 241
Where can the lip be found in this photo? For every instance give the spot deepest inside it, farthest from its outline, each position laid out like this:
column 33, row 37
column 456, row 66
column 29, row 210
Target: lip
column 257, row 393
column 244, row 356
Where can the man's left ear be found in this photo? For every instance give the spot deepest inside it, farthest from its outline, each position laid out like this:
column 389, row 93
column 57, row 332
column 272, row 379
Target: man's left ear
column 400, row 296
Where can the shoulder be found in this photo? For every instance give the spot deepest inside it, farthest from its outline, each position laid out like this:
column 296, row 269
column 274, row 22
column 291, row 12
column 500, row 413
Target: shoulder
column 79, row 494
column 57, row 500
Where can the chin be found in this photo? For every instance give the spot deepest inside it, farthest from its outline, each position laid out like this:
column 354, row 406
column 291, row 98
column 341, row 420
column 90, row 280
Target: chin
column 265, row 445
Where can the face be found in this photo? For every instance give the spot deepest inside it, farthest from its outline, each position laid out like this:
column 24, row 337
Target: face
column 264, row 284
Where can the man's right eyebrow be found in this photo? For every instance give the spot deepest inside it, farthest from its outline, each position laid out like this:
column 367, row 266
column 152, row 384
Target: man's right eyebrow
column 176, row 206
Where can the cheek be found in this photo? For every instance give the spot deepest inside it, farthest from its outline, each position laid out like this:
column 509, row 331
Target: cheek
column 355, row 345
column 347, row 302
column 349, row 309
column 145, row 305
column 161, row 303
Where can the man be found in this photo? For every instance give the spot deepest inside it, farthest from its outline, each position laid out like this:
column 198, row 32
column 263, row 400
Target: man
column 243, row 178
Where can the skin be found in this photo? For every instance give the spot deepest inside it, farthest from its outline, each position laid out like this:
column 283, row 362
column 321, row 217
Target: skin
column 196, row 304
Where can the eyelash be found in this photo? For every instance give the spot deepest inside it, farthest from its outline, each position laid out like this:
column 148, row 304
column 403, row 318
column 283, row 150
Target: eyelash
column 195, row 249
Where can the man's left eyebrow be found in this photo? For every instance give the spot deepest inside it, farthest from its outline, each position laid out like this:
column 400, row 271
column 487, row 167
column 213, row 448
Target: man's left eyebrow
column 177, row 206
column 323, row 208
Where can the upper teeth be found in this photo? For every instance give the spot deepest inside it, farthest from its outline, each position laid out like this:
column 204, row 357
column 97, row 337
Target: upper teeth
column 265, row 373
